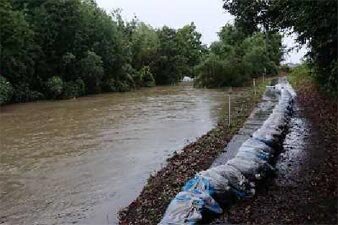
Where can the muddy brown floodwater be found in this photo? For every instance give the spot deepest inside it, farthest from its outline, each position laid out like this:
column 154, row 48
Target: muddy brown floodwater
column 80, row 161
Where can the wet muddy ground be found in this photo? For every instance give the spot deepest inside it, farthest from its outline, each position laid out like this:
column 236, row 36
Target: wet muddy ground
column 304, row 190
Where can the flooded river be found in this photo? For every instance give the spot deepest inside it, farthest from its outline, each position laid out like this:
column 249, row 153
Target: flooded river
column 80, row 161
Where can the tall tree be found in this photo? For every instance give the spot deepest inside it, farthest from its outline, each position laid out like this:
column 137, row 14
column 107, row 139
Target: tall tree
column 17, row 49
column 315, row 22
column 190, row 47
column 166, row 68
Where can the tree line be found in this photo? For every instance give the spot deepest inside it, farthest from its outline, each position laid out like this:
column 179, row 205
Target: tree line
column 54, row 49
column 238, row 57
column 314, row 22
column 59, row 49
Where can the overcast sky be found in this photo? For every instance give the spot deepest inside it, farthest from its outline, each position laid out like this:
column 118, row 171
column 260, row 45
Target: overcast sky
column 208, row 15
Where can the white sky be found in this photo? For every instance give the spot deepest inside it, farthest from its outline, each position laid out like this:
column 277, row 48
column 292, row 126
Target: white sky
column 208, row 16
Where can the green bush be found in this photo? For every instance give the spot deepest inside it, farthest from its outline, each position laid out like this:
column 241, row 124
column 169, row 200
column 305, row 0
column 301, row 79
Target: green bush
column 128, row 75
column 137, row 78
column 255, row 57
column 328, row 78
column 73, row 89
column 238, row 56
column 300, row 75
column 23, row 93
column 6, row 91
column 147, row 77
column 299, row 71
column 113, row 85
column 92, row 71
column 54, row 87
column 210, row 72
column 215, row 73
column 109, row 85
column 122, row 86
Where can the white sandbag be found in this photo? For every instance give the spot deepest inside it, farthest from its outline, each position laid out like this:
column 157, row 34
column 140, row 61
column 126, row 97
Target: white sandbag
column 270, row 136
column 254, row 143
column 219, row 183
column 253, row 154
column 237, row 183
column 188, row 208
column 250, row 169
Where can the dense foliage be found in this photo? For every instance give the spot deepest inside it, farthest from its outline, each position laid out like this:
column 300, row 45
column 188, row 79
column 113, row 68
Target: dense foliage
column 52, row 49
column 314, row 21
column 237, row 57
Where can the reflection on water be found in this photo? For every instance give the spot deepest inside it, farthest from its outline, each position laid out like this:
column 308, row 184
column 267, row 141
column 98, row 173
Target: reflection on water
column 79, row 161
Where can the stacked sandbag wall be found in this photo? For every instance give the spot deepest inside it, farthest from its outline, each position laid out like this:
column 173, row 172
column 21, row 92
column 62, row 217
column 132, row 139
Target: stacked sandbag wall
column 211, row 190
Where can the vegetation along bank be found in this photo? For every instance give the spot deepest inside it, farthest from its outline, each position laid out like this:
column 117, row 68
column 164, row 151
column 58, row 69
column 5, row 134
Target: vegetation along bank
column 53, row 49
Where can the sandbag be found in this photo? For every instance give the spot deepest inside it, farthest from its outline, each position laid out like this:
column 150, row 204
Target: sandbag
column 252, row 170
column 253, row 154
column 270, row 136
column 222, row 192
column 210, row 189
column 188, row 207
column 228, row 184
column 238, row 184
column 258, row 145
column 199, row 183
column 219, row 183
column 272, row 130
column 276, row 121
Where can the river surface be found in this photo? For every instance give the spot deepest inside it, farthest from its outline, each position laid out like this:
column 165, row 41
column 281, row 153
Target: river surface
column 80, row 161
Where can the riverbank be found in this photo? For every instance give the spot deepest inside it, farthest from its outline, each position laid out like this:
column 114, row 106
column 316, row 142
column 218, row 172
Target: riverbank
column 150, row 205
column 304, row 190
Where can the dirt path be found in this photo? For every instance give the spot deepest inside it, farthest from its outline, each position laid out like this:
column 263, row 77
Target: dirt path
column 305, row 188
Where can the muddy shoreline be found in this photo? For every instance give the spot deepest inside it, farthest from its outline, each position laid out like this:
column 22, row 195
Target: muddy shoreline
column 149, row 207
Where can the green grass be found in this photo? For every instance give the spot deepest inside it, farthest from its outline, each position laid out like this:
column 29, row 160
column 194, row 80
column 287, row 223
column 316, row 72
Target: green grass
column 300, row 76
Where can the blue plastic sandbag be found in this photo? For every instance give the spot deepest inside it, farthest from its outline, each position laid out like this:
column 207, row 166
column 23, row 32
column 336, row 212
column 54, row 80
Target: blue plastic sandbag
column 189, row 205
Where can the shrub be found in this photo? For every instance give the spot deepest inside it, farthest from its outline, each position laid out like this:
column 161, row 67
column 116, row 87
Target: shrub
column 214, row 72
column 137, row 77
column 54, row 87
column 74, row 89
column 92, row 71
column 122, row 86
column 113, row 85
column 23, row 93
column 147, row 77
column 128, row 75
column 255, row 57
column 110, row 85
column 6, row 91
column 300, row 75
